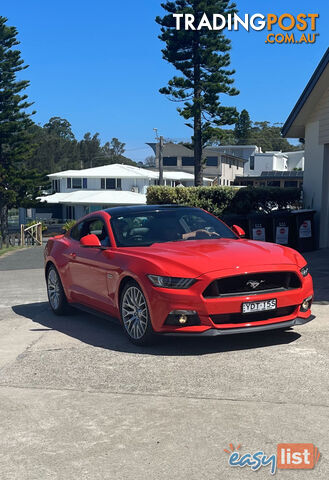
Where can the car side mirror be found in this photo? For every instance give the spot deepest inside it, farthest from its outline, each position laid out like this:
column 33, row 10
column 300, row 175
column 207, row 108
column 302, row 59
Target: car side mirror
column 90, row 241
column 238, row 231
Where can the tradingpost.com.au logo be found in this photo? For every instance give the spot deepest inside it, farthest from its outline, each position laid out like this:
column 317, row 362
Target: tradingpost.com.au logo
column 289, row 456
column 294, row 29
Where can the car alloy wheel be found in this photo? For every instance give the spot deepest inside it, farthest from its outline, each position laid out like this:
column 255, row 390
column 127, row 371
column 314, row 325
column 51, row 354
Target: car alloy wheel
column 56, row 295
column 135, row 315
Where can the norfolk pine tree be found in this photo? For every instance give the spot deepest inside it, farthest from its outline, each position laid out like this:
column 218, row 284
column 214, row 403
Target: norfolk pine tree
column 242, row 129
column 202, row 58
column 14, row 124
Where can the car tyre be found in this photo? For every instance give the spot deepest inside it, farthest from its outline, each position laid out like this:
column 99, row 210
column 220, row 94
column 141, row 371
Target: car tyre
column 56, row 295
column 135, row 316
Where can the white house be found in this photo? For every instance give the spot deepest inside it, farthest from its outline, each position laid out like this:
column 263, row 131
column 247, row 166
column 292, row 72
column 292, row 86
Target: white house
column 82, row 191
column 309, row 119
column 276, row 161
column 221, row 164
column 296, row 160
column 266, row 162
column 242, row 151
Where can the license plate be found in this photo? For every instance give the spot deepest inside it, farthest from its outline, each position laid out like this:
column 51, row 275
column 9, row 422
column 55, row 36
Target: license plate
column 262, row 306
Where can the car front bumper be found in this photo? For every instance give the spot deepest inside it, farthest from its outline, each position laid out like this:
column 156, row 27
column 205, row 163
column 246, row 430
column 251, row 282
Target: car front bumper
column 163, row 301
column 214, row 332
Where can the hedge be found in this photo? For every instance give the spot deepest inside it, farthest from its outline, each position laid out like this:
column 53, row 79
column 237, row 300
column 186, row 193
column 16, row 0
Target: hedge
column 227, row 200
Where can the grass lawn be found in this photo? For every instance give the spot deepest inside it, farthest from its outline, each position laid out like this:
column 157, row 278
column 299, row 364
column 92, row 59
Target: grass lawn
column 9, row 249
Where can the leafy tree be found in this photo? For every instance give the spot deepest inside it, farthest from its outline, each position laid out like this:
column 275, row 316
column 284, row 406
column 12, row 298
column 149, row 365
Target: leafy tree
column 59, row 127
column 243, row 128
column 54, row 149
column 262, row 134
column 113, row 151
column 150, row 161
column 17, row 183
column 90, row 150
column 117, row 148
column 269, row 138
column 202, row 58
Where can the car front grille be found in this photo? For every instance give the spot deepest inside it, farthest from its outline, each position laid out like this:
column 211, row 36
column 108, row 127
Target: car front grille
column 252, row 283
column 252, row 317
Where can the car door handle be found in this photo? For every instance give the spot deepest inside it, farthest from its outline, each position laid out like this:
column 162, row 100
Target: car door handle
column 73, row 255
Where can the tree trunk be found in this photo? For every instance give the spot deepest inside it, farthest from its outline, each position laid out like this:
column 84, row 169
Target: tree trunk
column 4, row 221
column 198, row 167
column 198, row 180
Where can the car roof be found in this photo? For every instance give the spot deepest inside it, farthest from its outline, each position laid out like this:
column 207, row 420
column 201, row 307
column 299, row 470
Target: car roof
column 113, row 211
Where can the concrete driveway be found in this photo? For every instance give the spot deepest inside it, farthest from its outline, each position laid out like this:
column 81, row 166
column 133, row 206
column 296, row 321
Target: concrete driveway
column 77, row 401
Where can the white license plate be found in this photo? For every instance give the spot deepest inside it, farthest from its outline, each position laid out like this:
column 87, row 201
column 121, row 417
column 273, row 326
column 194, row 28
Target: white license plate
column 262, row 306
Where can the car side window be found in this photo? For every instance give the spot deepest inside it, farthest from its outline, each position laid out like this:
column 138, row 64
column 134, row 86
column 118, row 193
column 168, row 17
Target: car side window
column 194, row 222
column 76, row 232
column 97, row 227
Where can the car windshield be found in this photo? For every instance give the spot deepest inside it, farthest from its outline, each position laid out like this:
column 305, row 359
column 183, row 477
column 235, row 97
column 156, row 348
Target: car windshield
column 171, row 225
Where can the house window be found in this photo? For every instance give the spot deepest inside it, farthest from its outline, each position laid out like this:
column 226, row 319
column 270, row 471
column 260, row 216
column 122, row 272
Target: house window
column 170, row 161
column 212, row 162
column 56, row 185
column 70, row 213
column 111, row 183
column 273, row 183
column 252, row 163
column 69, row 183
column 290, row 184
column 246, row 183
column 84, row 183
column 76, row 183
column 187, row 161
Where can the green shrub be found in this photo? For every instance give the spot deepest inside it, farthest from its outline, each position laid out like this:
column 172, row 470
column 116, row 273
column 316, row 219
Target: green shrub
column 68, row 225
column 34, row 222
column 265, row 199
column 224, row 200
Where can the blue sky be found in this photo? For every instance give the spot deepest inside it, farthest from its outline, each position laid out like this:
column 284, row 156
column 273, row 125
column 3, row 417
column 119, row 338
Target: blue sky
column 99, row 65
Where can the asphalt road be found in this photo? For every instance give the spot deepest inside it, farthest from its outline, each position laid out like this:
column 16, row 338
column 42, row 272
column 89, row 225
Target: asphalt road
column 77, row 401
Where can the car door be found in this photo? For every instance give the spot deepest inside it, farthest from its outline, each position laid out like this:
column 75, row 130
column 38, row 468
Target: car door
column 89, row 267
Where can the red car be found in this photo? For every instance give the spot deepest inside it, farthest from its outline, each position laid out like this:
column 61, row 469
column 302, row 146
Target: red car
column 176, row 270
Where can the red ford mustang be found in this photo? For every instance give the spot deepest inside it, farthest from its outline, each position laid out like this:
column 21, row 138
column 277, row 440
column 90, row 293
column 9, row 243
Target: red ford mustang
column 173, row 269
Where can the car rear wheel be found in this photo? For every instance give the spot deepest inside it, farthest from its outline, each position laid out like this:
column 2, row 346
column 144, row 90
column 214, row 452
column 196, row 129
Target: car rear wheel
column 135, row 315
column 56, row 295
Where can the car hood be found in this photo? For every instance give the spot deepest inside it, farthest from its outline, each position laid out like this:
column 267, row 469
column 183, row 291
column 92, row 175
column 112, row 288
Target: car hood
column 196, row 257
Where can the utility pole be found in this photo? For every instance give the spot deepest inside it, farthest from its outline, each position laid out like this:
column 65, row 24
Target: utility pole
column 161, row 160
column 160, row 150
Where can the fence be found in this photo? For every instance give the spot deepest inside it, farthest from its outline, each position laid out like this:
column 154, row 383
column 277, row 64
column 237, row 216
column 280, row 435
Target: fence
column 28, row 236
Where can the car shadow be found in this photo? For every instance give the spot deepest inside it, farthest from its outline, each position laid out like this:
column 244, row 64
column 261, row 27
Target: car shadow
column 98, row 332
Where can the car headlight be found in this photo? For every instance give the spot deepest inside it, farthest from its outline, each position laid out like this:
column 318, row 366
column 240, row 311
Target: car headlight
column 171, row 282
column 304, row 271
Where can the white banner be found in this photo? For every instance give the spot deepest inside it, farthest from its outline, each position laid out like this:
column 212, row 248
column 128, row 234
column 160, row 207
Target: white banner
column 282, row 235
column 305, row 230
column 259, row 234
